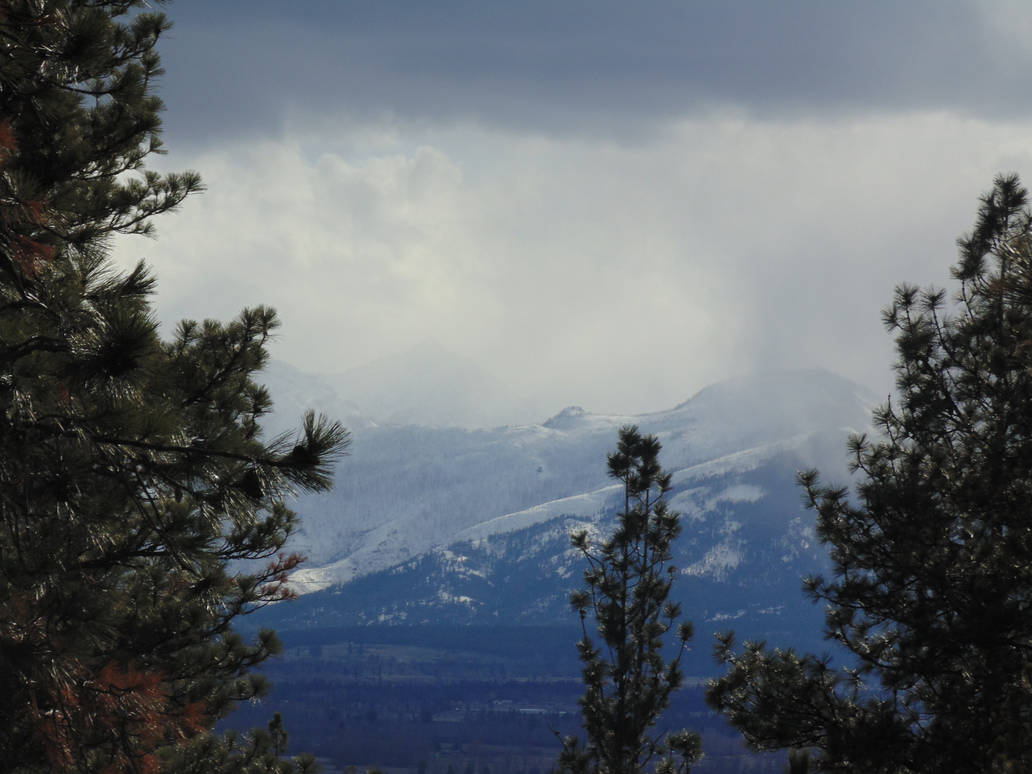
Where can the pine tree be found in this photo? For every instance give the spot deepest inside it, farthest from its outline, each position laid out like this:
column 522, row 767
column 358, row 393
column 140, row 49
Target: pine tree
column 931, row 595
column 628, row 682
column 133, row 472
column 278, row 736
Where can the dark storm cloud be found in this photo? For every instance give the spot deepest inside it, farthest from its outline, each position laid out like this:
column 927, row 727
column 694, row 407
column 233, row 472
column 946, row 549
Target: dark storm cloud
column 395, row 172
column 579, row 66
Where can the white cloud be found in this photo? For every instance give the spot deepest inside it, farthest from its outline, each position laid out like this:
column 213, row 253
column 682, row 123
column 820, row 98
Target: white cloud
column 619, row 276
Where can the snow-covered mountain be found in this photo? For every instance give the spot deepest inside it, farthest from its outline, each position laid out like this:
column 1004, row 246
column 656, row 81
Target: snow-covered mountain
column 426, row 523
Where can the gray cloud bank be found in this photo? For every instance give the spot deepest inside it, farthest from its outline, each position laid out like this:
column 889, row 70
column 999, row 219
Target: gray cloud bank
column 609, row 204
column 595, row 67
column 619, row 277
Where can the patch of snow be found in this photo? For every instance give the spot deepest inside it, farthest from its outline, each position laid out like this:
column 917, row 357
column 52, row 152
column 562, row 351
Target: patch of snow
column 740, row 493
column 717, row 562
column 452, row 599
column 730, row 527
column 799, row 537
column 587, row 504
column 743, row 461
column 727, row 616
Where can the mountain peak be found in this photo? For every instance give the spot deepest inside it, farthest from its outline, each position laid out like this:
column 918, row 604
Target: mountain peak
column 778, row 386
column 804, row 397
column 568, row 418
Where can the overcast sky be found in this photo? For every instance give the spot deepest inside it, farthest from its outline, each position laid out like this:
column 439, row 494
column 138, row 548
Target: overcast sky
column 604, row 203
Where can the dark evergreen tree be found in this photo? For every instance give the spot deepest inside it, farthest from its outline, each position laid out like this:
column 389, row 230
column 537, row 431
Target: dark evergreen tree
column 133, row 473
column 278, row 736
column 932, row 587
column 628, row 680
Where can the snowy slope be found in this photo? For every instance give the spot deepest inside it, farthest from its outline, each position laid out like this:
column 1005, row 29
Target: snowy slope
column 408, row 491
column 746, row 544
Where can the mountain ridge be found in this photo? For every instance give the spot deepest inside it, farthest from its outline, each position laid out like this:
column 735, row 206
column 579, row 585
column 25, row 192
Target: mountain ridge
column 411, row 493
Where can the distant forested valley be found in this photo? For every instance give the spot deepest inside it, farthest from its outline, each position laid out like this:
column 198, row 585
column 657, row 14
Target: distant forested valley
column 434, row 700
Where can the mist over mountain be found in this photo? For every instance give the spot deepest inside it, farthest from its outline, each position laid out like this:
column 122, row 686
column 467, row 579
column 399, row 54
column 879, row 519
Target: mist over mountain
column 428, row 385
column 294, row 392
column 432, row 524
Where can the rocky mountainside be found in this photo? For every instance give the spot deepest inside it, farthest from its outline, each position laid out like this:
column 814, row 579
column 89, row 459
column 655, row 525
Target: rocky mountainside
column 430, row 525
